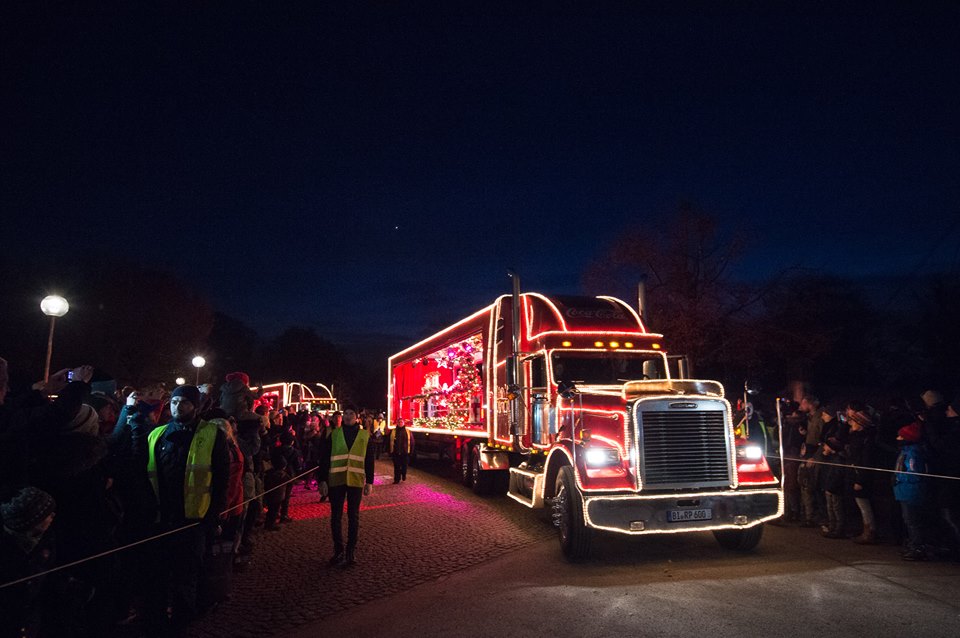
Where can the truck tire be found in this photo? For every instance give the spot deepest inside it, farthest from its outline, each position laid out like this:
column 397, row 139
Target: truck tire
column 739, row 540
column 575, row 536
column 481, row 480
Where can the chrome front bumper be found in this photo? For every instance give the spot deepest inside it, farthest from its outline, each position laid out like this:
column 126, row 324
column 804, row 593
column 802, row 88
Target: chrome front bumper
column 643, row 514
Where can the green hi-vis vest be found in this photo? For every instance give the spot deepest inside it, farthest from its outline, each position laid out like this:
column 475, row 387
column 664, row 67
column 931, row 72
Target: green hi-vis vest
column 199, row 473
column 346, row 466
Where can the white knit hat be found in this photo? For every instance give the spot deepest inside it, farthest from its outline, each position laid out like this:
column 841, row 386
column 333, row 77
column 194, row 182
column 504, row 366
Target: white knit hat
column 87, row 421
column 931, row 398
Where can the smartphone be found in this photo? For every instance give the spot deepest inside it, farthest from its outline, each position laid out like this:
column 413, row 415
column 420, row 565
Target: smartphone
column 70, row 375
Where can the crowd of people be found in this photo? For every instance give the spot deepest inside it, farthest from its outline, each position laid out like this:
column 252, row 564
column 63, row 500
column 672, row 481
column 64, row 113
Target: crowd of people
column 874, row 475
column 197, row 473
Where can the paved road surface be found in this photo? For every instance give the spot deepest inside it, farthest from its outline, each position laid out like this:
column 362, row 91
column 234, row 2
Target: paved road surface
column 438, row 561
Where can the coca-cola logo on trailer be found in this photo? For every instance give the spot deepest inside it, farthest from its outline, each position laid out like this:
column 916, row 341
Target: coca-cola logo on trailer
column 595, row 313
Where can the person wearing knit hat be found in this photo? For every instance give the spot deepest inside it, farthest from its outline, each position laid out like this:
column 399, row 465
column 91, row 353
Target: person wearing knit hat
column 236, row 397
column 189, row 392
column 910, row 433
column 27, row 550
column 86, row 421
column 911, row 489
column 859, row 452
column 860, row 417
column 931, row 398
column 188, row 469
column 29, row 510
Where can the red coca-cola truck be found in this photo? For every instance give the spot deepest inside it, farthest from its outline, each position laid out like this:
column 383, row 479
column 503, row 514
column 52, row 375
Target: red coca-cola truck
column 568, row 402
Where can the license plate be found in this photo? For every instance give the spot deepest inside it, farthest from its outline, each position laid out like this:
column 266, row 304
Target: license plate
column 683, row 516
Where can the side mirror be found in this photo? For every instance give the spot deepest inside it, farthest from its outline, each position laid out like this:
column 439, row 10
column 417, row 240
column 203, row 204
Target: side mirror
column 567, row 389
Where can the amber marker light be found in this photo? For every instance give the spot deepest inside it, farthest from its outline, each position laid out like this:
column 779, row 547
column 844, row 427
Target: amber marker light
column 566, row 344
column 627, row 344
column 597, row 344
column 655, row 346
column 614, row 344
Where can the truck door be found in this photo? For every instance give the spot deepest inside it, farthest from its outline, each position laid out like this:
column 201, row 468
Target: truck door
column 537, row 399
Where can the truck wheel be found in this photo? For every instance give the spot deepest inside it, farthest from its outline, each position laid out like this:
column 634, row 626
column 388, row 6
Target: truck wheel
column 575, row 536
column 739, row 540
column 482, row 480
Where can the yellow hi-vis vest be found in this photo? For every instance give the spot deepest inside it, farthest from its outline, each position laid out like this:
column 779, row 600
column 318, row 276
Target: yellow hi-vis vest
column 393, row 438
column 346, row 466
column 199, row 472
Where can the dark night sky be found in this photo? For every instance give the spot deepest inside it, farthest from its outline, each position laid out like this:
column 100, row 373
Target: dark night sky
column 375, row 167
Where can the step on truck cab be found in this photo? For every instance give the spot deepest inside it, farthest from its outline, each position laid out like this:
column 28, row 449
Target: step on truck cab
column 568, row 403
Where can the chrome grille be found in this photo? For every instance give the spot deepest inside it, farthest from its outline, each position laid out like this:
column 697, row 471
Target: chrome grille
column 683, row 448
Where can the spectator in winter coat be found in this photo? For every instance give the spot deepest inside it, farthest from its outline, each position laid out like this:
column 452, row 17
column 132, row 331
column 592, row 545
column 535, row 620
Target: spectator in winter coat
column 107, row 411
column 249, row 431
column 128, row 457
column 236, row 397
column 832, row 482
column 911, row 490
column 944, row 437
column 793, row 439
column 401, row 447
column 812, row 497
column 273, row 485
column 309, row 446
column 27, row 548
column 72, row 466
column 26, row 421
column 172, row 475
column 294, row 462
column 859, row 453
column 235, row 482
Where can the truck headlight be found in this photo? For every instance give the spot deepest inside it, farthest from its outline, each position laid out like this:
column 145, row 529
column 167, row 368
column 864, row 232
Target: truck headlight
column 601, row 456
column 750, row 452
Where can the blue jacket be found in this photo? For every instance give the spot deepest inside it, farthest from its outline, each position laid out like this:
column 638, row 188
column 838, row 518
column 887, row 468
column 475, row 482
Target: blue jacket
column 909, row 488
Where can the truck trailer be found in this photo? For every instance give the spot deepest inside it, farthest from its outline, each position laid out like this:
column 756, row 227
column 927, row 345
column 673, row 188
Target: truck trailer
column 568, row 403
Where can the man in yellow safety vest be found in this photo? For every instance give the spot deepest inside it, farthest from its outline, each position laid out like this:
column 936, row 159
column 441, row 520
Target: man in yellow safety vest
column 188, row 466
column 346, row 473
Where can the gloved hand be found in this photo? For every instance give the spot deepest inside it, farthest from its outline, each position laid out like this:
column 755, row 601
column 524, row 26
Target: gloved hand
column 323, row 489
column 368, row 489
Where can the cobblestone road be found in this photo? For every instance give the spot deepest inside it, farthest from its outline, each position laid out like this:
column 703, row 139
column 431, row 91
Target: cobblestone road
column 411, row 533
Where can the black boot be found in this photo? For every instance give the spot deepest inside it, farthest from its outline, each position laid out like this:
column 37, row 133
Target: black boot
column 338, row 559
column 351, row 558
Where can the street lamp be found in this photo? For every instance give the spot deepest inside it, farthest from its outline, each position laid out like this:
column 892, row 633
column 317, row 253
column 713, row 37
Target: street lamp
column 53, row 306
column 181, row 380
column 198, row 362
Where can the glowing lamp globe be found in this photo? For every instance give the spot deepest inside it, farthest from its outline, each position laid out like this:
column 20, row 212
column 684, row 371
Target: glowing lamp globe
column 181, row 380
column 54, row 306
column 198, row 361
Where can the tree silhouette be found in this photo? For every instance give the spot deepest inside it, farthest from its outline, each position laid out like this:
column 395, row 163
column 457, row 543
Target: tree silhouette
column 686, row 265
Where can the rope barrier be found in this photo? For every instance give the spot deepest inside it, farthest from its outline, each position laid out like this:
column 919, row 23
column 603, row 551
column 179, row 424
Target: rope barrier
column 299, row 476
column 869, row 468
column 151, row 538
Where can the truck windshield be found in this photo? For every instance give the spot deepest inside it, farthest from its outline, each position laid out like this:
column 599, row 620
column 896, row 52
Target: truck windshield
column 606, row 367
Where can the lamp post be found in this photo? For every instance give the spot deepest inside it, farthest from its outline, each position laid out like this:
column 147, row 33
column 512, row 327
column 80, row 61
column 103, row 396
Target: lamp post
column 198, row 362
column 53, row 306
